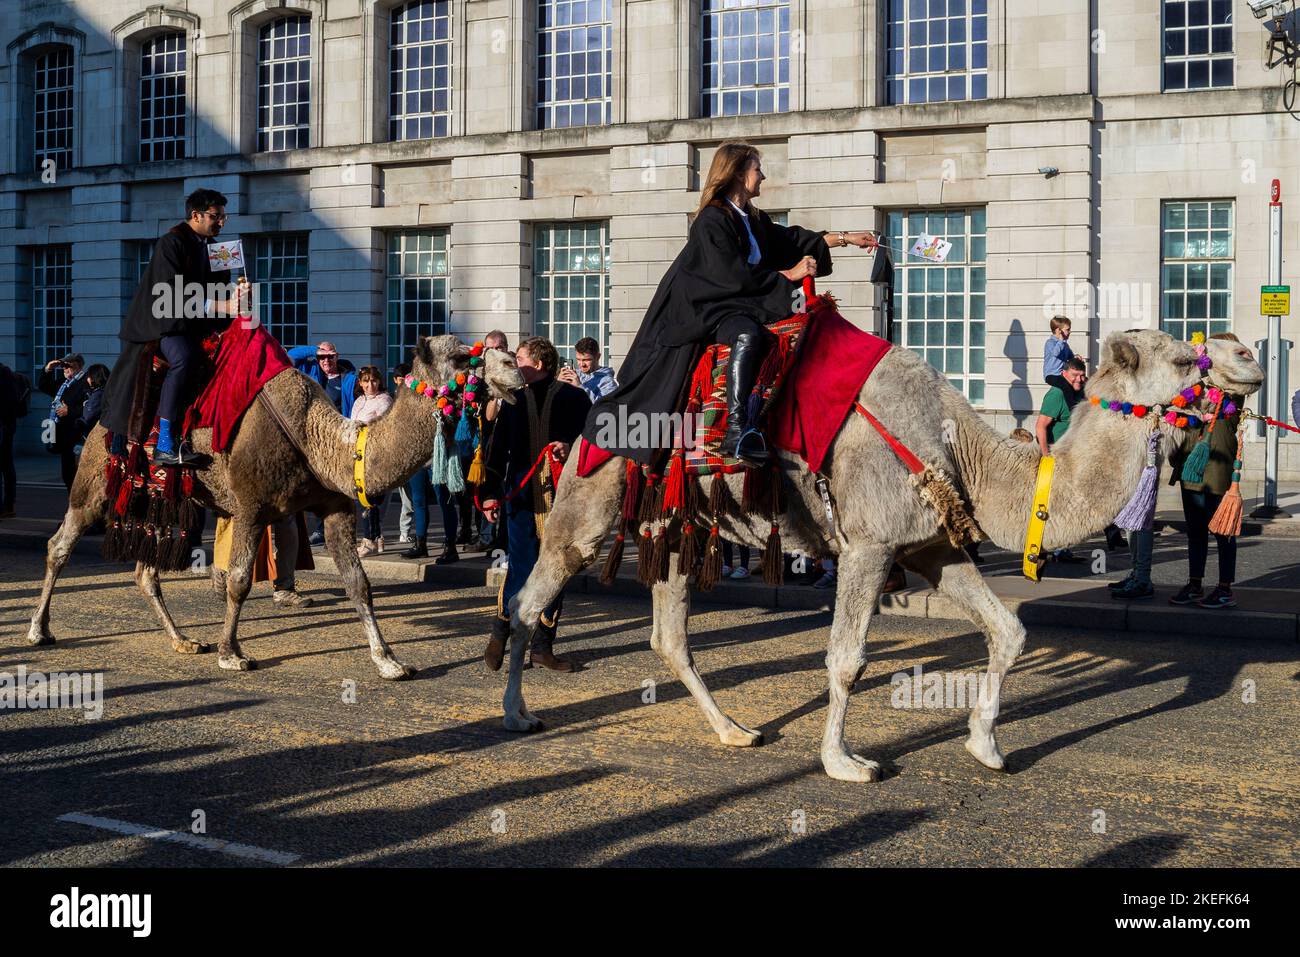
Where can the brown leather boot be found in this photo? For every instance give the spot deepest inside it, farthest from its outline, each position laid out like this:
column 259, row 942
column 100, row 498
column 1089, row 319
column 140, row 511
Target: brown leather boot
column 896, row 581
column 495, row 652
column 547, row 659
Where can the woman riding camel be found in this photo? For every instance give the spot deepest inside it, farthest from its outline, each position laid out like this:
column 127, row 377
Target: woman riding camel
column 738, row 272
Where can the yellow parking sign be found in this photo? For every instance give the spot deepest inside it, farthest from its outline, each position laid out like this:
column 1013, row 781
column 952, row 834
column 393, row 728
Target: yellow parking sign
column 1275, row 300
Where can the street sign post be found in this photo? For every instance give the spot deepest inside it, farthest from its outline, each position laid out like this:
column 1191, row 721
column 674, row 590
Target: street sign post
column 1275, row 302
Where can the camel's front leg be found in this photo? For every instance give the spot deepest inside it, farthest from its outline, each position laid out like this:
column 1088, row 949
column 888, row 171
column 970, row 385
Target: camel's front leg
column 340, row 537
column 245, row 535
column 862, row 570
column 584, row 511
column 951, row 571
column 146, row 578
column 75, row 523
column 669, row 638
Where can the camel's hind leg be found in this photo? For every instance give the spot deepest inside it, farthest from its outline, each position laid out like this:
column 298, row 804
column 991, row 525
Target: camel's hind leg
column 862, row 570
column 245, row 535
column 85, row 506
column 584, row 511
column 146, row 578
column 669, row 638
column 951, row 571
column 341, row 537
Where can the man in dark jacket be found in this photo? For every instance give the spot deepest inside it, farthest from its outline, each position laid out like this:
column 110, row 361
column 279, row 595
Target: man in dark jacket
column 12, row 407
column 179, row 301
column 65, row 381
column 547, row 413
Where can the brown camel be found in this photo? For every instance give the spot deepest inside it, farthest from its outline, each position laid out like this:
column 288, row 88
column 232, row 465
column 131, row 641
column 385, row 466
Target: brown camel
column 880, row 517
column 261, row 478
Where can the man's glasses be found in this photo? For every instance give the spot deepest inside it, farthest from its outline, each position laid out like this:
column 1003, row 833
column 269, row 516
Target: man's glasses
column 327, row 356
column 216, row 217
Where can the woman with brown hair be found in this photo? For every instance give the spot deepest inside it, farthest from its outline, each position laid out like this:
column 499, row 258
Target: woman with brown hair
column 738, row 272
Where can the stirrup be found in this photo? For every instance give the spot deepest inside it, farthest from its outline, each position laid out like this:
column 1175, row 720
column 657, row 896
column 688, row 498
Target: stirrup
column 759, row 456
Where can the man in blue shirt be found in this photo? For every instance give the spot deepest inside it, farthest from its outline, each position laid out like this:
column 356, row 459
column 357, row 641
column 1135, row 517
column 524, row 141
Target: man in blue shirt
column 596, row 380
column 336, row 376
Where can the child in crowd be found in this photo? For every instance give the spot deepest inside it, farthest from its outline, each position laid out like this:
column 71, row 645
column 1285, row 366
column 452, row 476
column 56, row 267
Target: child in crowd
column 1056, row 353
column 373, row 402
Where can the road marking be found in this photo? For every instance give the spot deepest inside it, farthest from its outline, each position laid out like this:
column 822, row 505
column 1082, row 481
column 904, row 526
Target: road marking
column 246, row 851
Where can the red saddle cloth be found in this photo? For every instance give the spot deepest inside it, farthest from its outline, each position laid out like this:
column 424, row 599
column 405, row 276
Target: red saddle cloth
column 247, row 359
column 808, row 384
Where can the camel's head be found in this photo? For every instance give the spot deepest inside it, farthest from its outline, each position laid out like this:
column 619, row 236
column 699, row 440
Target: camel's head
column 438, row 359
column 1146, row 367
column 1234, row 368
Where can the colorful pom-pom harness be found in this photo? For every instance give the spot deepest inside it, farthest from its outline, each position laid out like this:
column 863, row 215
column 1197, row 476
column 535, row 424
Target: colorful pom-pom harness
column 461, row 392
column 1175, row 410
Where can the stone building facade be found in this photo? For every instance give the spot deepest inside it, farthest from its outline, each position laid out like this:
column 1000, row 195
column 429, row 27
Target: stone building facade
column 398, row 168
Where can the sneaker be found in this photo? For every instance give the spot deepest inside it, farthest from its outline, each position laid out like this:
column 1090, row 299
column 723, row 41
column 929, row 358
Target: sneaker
column 366, row 548
column 1134, row 591
column 1121, row 584
column 826, row 581
column 1066, row 556
column 379, row 545
column 1187, row 594
column 1219, row 598
column 316, row 540
column 726, row 571
column 291, row 599
column 740, row 572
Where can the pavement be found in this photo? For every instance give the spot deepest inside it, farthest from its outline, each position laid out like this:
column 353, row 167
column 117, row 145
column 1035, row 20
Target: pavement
column 1124, row 748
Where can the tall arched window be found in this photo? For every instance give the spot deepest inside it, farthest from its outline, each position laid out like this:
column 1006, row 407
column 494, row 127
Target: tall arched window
column 162, row 98
column 419, row 61
column 53, row 88
column 284, row 84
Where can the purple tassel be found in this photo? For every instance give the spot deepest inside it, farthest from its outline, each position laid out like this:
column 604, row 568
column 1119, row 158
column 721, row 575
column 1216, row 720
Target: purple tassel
column 1138, row 514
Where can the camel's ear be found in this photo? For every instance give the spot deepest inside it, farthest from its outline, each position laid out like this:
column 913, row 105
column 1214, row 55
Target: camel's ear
column 1123, row 353
column 422, row 350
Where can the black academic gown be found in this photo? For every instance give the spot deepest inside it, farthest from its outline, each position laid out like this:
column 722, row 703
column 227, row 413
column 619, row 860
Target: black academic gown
column 181, row 252
column 709, row 281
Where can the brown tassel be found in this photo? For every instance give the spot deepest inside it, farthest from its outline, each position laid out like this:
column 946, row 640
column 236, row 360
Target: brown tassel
column 711, row 568
column 686, row 555
column 632, row 491
column 612, row 561
column 749, row 492
column 1227, row 517
column 649, row 509
column 659, row 560
column 717, row 493
column 773, row 559
column 644, row 551
column 776, row 494
column 112, row 547
column 694, row 496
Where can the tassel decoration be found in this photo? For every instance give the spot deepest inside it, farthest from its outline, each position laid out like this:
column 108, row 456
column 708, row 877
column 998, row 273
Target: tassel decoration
column 686, row 555
column 659, row 558
column 631, row 491
column 1227, row 517
column 438, row 464
column 477, row 474
column 717, row 501
column 711, row 567
column 674, row 487
column 455, row 478
column 649, row 510
column 773, row 559
column 1194, row 465
column 613, row 560
column 644, row 550
column 1138, row 514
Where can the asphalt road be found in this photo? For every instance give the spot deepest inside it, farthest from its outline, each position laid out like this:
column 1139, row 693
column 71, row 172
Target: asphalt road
column 1125, row 750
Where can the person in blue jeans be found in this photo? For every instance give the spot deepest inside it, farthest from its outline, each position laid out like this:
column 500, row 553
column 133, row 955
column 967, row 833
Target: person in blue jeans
column 1137, row 585
column 423, row 492
column 338, row 377
column 546, row 413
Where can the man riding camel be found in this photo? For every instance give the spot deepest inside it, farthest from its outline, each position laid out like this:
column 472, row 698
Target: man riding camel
column 177, row 304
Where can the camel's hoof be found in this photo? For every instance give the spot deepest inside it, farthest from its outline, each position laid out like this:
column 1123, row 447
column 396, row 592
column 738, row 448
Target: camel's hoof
column 987, row 754
column 185, row 646
column 391, row 669
column 522, row 722
column 739, row 737
column 36, row 638
column 850, row 767
column 236, row 663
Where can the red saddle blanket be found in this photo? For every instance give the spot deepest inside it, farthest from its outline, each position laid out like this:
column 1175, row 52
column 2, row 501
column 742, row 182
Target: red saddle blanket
column 246, row 360
column 807, row 386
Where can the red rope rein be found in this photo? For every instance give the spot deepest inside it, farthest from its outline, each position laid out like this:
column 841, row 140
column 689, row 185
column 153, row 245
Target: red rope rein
column 547, row 454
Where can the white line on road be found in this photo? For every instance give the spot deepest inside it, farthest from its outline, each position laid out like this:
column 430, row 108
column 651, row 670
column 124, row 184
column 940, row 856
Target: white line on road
column 247, row 851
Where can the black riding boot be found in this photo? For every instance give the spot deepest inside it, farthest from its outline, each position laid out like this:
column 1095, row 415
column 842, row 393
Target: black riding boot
column 420, row 548
column 742, row 440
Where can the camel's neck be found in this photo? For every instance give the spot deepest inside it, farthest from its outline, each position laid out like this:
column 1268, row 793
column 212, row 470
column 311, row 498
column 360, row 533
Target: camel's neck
column 1098, row 464
column 397, row 444
column 400, row 442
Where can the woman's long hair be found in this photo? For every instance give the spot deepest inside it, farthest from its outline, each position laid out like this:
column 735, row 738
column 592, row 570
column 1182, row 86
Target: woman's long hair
column 728, row 165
